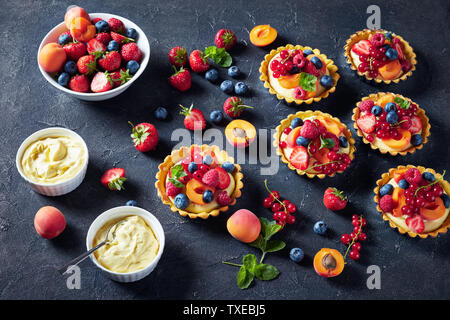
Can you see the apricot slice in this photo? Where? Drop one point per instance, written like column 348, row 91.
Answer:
column 433, row 210
column 399, row 200
column 328, row 263
column 385, row 99
column 390, row 70
column 263, row 35
column 401, row 143
column 240, row 133
column 244, row 226
column 82, row 29
column 52, row 57
column 73, row 13
column 290, row 81
column 195, row 190
column 49, row 222
column 399, row 175
column 292, row 137
column 333, row 126
column 321, row 155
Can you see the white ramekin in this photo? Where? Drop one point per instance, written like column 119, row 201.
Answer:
column 59, row 188
column 116, row 213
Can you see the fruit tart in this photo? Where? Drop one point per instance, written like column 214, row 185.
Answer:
column 314, row 143
column 199, row 181
column 380, row 55
column 415, row 200
column 391, row 123
column 298, row 74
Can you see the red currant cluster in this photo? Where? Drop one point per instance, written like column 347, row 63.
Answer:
column 282, row 210
column 351, row 240
column 339, row 162
column 418, row 195
column 289, row 60
column 370, row 63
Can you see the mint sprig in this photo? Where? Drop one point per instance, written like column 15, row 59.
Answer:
column 402, row 103
column 219, row 55
column 307, row 81
column 176, row 173
column 326, row 143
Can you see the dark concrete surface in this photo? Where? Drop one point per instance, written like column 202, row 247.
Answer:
column 191, row 267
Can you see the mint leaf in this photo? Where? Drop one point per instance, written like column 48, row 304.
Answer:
column 176, row 183
column 250, row 262
column 176, row 173
column 275, row 245
column 266, row 272
column 404, row 104
column 307, row 81
column 326, row 143
column 219, row 55
column 259, row 243
column 244, row 278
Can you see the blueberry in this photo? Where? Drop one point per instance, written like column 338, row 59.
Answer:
column 240, row 88
column 228, row 166
column 132, row 66
column 296, row 254
column 320, row 227
column 316, row 62
column 386, row 189
column 64, row 39
column 181, row 201
column 64, row 79
column 428, row 176
column 208, row 160
column 403, row 184
column 392, row 117
column 296, row 122
column 377, row 110
column 102, row 26
column 386, row 47
column 131, row 33
column 192, row 167
column 343, row 142
column 446, row 200
column 234, row 72
column 227, row 86
column 390, row 106
column 208, row 196
column 131, row 203
column 301, row 141
column 113, row 45
column 216, row 116
column 161, row 113
column 70, row 67
column 307, row 52
column 212, row 75
column 326, row 81
column 388, row 35
column 294, row 70
column 391, row 54
column 416, row 139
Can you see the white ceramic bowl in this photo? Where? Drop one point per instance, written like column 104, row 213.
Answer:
column 142, row 42
column 62, row 187
column 116, row 213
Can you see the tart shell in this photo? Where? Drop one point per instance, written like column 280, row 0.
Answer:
column 264, row 76
column 180, row 154
column 306, row 114
column 364, row 35
column 385, row 177
column 420, row 113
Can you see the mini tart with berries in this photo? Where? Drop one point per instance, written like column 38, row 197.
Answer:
column 314, row 144
column 414, row 200
column 380, row 55
column 199, row 181
column 391, row 123
column 298, row 74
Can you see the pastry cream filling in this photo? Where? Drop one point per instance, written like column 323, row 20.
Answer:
column 134, row 247
column 430, row 225
column 53, row 159
column 356, row 61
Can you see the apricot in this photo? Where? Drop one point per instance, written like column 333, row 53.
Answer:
column 82, row 29
column 73, row 13
column 399, row 175
column 385, row 99
column 434, row 210
column 49, row 222
column 263, row 35
column 195, row 190
column 328, row 263
column 292, row 137
column 240, row 133
column 244, row 226
column 400, row 143
column 289, row 81
column 52, row 57
column 390, row 70
column 399, row 199
column 333, row 126
column 321, row 155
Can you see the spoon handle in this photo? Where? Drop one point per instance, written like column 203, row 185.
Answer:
column 80, row 258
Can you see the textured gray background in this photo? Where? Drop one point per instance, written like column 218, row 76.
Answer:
column 191, row 266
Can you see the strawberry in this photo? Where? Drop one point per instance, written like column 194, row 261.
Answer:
column 181, row 79
column 101, row 82
column 178, row 56
column 198, row 62
column 113, row 179
column 416, row 124
column 399, row 49
column 224, row 178
column 362, row 47
column 87, row 64
column 110, row 61
column 225, row 38
column 94, row 46
column 234, row 107
column 120, row 77
column 334, row 199
column 211, row 178
column 193, row 118
column 103, row 37
column 311, row 69
column 223, row 199
column 95, row 20
column 130, row 51
column 120, row 38
column 309, row 130
column 116, row 25
column 367, row 123
column 75, row 51
column 171, row 189
column 145, row 136
column 299, row 158
column 415, row 223
column 79, row 83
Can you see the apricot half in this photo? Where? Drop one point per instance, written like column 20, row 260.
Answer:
column 400, row 143
column 263, row 35
column 49, row 222
column 244, row 226
column 289, row 81
column 82, row 29
column 390, row 70
column 73, row 13
column 195, row 190
column 385, row 99
column 434, row 210
column 333, row 126
column 52, row 57
column 240, row 133
column 399, row 199
column 328, row 263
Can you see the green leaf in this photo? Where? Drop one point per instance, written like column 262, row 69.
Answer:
column 176, row 183
column 219, row 55
column 250, row 262
column 326, row 143
column 274, row 245
column 266, row 272
column 244, row 278
column 402, row 103
column 307, row 81
column 268, row 228
column 176, row 173
column 259, row 243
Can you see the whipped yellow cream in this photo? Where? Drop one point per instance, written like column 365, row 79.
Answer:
column 134, row 247
column 53, row 159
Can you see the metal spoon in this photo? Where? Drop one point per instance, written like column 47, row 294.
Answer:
column 83, row 256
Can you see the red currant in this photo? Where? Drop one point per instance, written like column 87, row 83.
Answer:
column 356, row 246
column 286, row 202
column 291, row 208
column 275, row 194
column 356, row 222
column 355, row 217
column 356, row 229
column 345, row 239
column 362, row 236
column 287, row 130
column 267, row 203
column 354, row 255
column 290, row 219
column 353, row 235
column 276, row 207
column 283, row 144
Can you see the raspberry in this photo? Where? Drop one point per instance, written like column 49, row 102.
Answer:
column 223, row 198
column 299, row 60
column 387, row 203
column 172, row 190
column 413, row 176
column 309, row 130
column 299, row 93
column 211, row 178
column 366, row 105
column 378, row 40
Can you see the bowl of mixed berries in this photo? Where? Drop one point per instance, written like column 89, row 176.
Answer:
column 93, row 56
